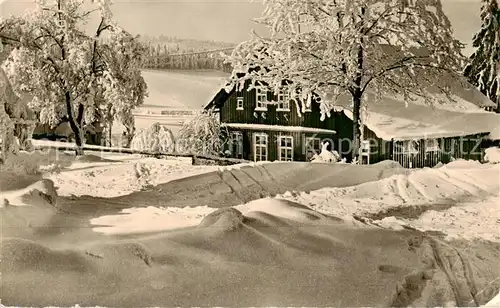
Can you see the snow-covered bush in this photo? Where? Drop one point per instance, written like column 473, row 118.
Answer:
column 202, row 135
column 156, row 138
column 7, row 104
column 492, row 155
column 326, row 156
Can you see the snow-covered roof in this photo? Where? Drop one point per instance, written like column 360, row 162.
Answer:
column 281, row 128
column 391, row 118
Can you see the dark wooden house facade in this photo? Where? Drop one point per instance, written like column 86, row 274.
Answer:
column 262, row 126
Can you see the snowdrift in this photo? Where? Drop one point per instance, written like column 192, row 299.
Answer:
column 492, row 155
column 272, row 253
column 458, row 181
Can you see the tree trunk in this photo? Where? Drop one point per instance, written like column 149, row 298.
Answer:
column 356, row 129
column 357, row 93
column 129, row 136
column 107, row 133
column 110, row 133
column 74, row 126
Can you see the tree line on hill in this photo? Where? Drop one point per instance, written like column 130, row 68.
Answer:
column 178, row 54
column 158, row 58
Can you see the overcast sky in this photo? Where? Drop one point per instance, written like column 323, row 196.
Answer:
column 228, row 20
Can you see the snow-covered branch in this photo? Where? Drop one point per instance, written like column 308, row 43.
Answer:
column 350, row 47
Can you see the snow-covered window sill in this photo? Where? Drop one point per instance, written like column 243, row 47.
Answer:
column 283, row 110
column 260, row 109
column 239, row 109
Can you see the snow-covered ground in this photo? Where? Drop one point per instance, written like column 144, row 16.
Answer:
column 110, row 175
column 123, row 177
column 460, row 199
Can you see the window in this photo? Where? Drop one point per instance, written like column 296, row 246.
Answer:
column 285, row 148
column 237, row 144
column 260, row 147
column 432, row 145
column 309, row 103
column 239, row 103
column 261, row 97
column 313, row 146
column 365, row 152
column 410, row 147
column 283, row 101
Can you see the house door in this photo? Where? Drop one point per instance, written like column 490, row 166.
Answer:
column 260, row 151
column 237, row 144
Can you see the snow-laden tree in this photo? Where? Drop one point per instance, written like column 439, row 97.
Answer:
column 483, row 69
column 156, row 138
column 7, row 99
column 202, row 135
column 125, row 88
column 16, row 120
column 65, row 69
column 337, row 48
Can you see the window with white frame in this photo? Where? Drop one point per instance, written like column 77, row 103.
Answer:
column 285, row 148
column 313, row 146
column 237, row 144
column 260, row 147
column 261, row 99
column 239, row 103
column 365, row 150
column 283, row 101
column 365, row 147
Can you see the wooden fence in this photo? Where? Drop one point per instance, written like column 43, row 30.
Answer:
column 195, row 159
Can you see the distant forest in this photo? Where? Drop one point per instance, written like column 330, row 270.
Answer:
column 174, row 53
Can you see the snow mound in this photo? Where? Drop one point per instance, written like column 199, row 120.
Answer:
column 156, row 138
column 388, row 164
column 492, row 155
column 28, row 255
column 150, row 219
column 226, row 219
column 463, row 164
column 280, row 208
column 456, row 181
column 325, row 156
column 41, row 191
column 465, row 195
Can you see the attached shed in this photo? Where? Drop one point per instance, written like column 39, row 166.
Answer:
column 417, row 135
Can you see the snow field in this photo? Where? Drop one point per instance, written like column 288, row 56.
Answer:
column 468, row 189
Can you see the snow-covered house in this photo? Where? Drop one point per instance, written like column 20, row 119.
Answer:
column 412, row 133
